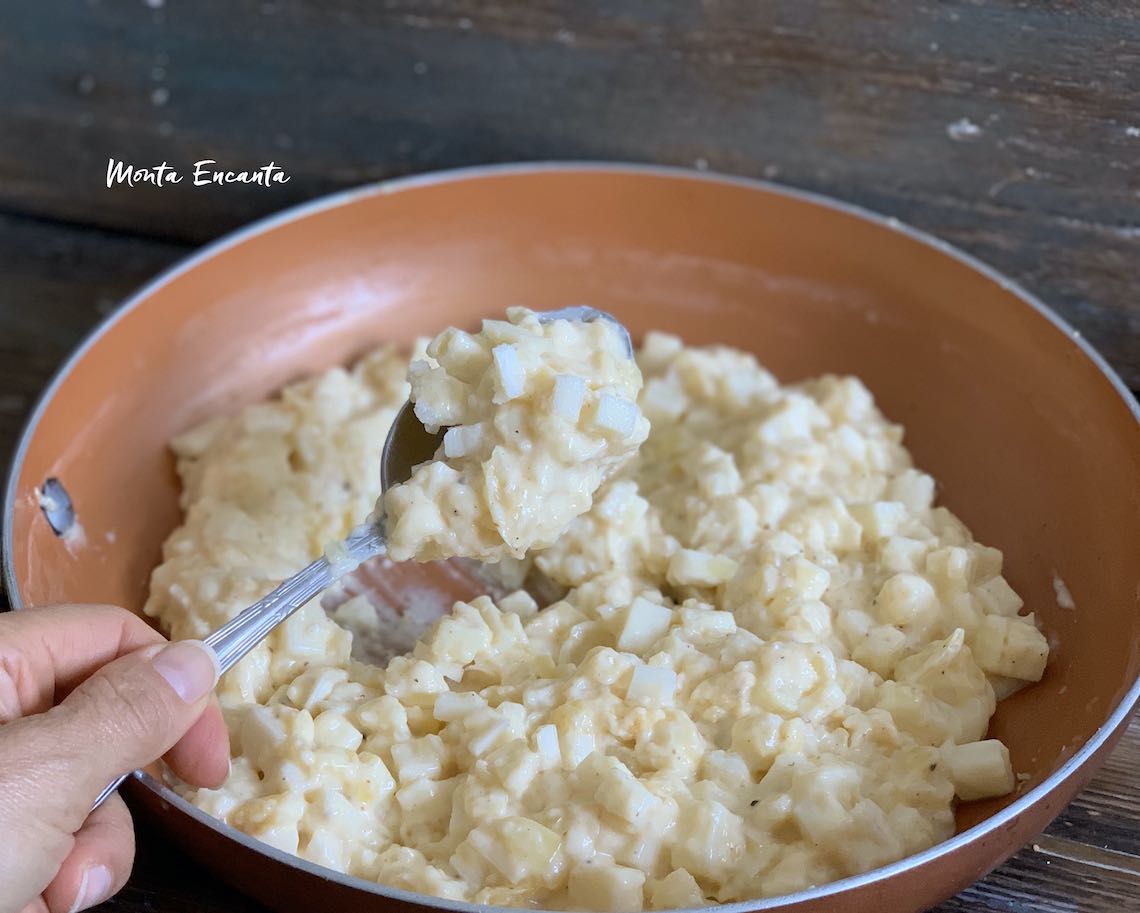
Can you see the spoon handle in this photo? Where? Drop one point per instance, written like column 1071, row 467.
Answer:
column 244, row 631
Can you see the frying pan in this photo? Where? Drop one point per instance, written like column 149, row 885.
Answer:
column 1034, row 441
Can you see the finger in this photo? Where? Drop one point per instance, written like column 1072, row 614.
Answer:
column 129, row 713
column 50, row 650
column 202, row 756
column 99, row 862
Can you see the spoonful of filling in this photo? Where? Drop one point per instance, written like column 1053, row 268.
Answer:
column 522, row 422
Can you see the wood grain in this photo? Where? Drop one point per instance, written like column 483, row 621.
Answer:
column 56, row 282
column 1107, row 813
column 1010, row 129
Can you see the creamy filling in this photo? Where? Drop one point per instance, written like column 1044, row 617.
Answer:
column 774, row 666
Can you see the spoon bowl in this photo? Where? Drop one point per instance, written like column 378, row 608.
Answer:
column 408, row 444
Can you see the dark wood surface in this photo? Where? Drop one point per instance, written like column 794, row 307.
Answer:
column 1009, row 129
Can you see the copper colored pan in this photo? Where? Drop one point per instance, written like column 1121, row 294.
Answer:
column 1034, row 440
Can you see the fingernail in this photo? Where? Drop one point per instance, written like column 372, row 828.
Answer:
column 94, row 887
column 189, row 667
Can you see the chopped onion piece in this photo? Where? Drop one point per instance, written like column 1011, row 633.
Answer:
column 579, row 746
column 462, row 440
column 616, row 414
column 484, row 741
column 510, row 370
column 546, row 741
column 652, row 684
column 455, row 705
column 569, row 394
column 645, row 623
column 689, row 567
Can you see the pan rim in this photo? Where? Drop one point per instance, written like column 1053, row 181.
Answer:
column 1070, row 768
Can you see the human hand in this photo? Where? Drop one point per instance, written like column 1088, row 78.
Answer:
column 88, row 693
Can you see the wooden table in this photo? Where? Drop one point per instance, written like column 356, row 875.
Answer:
column 1009, row 129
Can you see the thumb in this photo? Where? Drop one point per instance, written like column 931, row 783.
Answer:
column 126, row 715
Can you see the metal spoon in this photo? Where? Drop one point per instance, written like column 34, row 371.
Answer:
column 408, row 444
